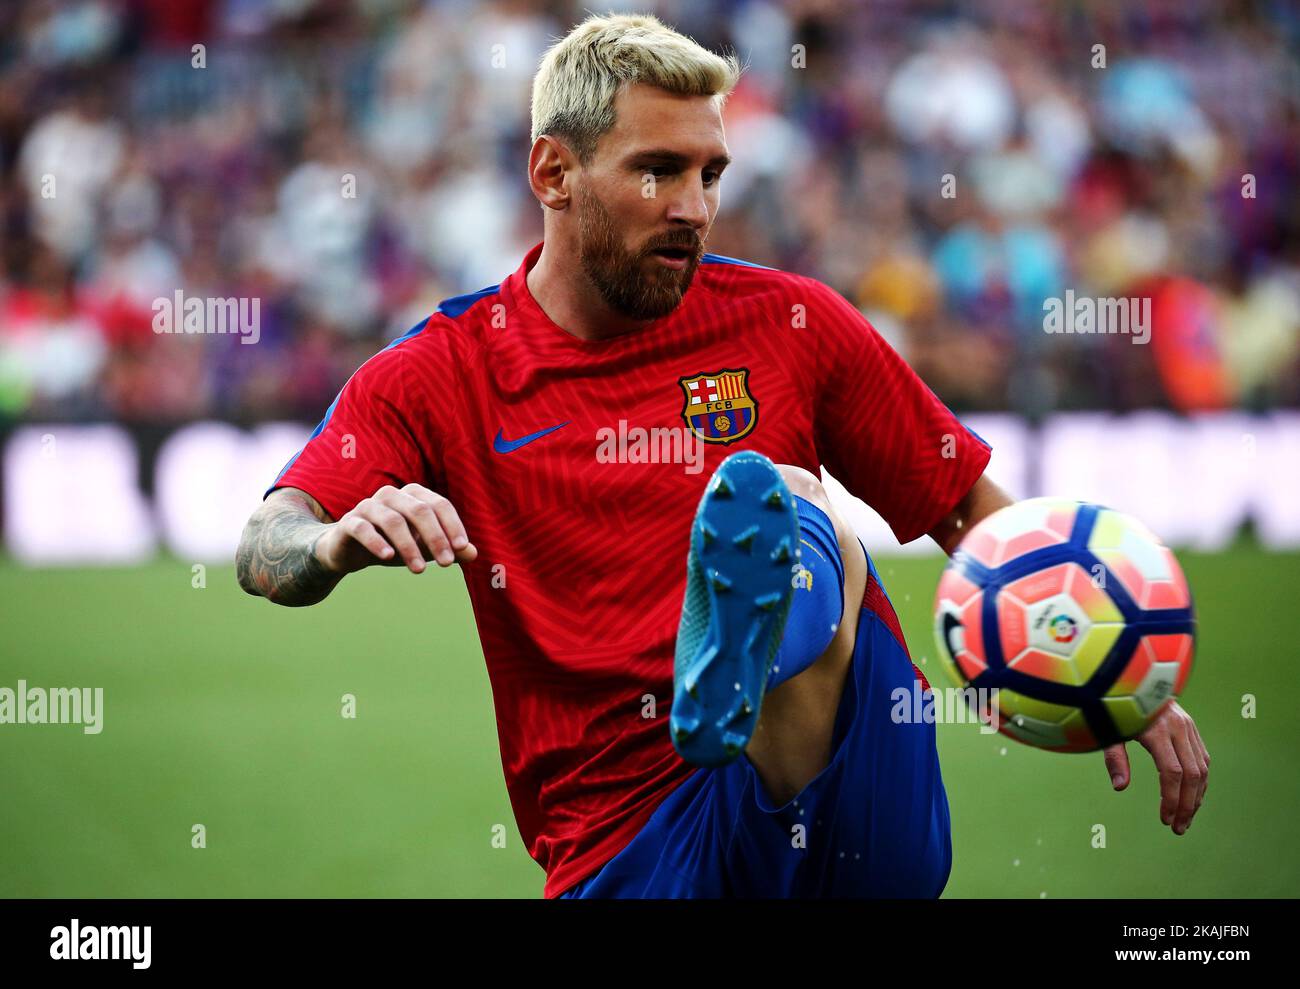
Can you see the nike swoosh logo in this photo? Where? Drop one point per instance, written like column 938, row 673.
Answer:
column 503, row 445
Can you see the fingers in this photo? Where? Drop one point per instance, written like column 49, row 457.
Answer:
column 1189, row 798
column 1170, row 771
column 1183, row 765
column 410, row 526
column 1205, row 756
column 424, row 522
column 452, row 542
column 395, row 529
column 1117, row 766
column 1201, row 760
column 361, row 531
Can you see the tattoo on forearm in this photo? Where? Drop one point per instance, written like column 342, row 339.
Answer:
column 276, row 557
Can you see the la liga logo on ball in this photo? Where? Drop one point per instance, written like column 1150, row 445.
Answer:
column 1079, row 617
column 1063, row 629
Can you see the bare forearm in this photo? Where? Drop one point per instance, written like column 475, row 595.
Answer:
column 983, row 499
column 276, row 557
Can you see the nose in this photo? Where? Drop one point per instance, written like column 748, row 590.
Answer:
column 689, row 205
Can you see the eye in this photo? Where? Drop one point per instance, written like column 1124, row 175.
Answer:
column 712, row 177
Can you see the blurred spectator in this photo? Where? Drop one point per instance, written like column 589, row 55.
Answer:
column 348, row 163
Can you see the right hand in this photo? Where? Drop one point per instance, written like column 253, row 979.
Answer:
column 394, row 528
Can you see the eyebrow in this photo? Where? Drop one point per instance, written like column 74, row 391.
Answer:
column 676, row 157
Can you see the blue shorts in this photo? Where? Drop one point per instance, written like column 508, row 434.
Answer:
column 873, row 823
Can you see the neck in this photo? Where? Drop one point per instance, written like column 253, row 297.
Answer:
column 573, row 303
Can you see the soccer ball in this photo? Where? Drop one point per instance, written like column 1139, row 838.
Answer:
column 1078, row 616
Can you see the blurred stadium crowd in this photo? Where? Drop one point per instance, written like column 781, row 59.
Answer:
column 1169, row 173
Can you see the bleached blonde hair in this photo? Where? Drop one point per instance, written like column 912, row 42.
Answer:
column 583, row 72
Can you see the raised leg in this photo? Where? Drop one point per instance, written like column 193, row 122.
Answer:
column 792, row 741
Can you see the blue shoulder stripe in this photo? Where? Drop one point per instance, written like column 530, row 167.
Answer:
column 414, row 331
column 457, row 305
column 723, row 259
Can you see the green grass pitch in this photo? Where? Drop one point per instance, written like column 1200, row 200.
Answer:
column 224, row 711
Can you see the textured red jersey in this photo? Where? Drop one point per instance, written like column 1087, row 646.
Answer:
column 576, row 467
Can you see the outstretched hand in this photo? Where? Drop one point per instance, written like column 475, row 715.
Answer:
column 1182, row 762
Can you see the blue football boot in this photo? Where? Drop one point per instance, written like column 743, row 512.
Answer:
column 744, row 541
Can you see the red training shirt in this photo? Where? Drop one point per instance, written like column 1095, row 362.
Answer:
column 582, row 536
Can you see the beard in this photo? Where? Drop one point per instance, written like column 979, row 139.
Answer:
column 633, row 283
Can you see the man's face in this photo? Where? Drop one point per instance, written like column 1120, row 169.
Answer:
column 647, row 197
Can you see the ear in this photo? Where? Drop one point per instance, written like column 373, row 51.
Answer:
column 549, row 165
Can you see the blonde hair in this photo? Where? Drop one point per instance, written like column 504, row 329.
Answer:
column 583, row 72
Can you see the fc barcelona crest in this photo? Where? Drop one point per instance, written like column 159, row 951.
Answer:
column 719, row 407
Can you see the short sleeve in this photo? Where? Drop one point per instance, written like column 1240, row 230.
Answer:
column 879, row 430
column 366, row 440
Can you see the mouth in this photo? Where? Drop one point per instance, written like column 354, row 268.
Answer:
column 676, row 258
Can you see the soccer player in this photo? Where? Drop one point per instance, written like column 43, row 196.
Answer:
column 620, row 446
